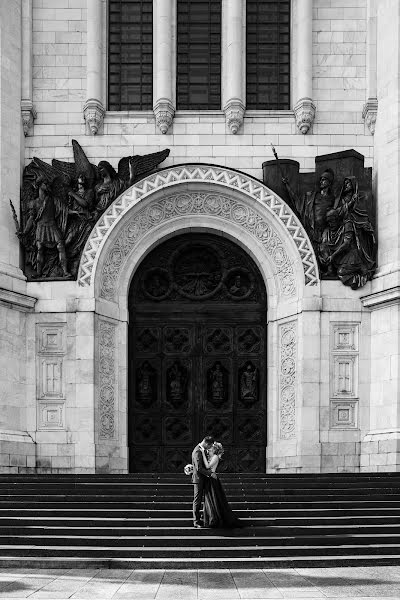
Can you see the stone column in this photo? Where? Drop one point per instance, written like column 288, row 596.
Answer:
column 304, row 108
column 27, row 109
column 164, row 53
column 93, row 110
column 381, row 448
column 371, row 105
column 234, row 62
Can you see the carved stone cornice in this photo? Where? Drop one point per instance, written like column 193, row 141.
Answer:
column 164, row 112
column 28, row 114
column 304, row 112
column 234, row 114
column 369, row 113
column 382, row 299
column 93, row 112
column 17, row 301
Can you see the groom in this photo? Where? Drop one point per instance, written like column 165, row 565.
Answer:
column 199, row 478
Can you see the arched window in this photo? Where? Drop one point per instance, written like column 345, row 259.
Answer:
column 198, row 74
column 268, row 54
column 130, row 55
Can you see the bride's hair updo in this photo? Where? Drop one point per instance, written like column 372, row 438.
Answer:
column 218, row 448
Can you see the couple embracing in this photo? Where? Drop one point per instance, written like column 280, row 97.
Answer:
column 216, row 510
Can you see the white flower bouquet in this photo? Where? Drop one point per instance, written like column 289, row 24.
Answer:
column 188, row 470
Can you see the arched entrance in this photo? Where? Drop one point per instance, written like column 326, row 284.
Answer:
column 197, row 355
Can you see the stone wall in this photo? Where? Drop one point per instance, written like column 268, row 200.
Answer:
column 339, row 91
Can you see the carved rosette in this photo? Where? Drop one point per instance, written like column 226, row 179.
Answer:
column 93, row 112
column 164, row 113
column 234, row 114
column 106, row 380
column 28, row 114
column 304, row 112
column 369, row 114
column 287, row 380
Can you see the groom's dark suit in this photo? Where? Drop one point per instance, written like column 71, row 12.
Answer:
column 199, row 479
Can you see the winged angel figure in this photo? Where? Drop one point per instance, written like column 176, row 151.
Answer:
column 61, row 202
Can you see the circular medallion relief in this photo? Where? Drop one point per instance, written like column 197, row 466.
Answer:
column 197, row 271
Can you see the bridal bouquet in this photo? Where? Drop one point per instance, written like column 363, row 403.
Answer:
column 188, row 470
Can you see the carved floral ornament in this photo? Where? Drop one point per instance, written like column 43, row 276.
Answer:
column 252, row 218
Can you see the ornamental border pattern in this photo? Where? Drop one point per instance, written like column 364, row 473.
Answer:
column 287, row 380
column 187, row 204
column 207, row 174
column 107, row 380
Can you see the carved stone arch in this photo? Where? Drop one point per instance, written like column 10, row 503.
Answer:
column 200, row 196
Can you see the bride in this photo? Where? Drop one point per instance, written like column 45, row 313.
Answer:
column 217, row 512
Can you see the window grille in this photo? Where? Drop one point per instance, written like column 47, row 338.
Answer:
column 130, row 55
column 268, row 54
column 198, row 77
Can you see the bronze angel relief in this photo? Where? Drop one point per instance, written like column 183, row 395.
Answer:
column 61, row 202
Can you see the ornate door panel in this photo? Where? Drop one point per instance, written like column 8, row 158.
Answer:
column 197, row 356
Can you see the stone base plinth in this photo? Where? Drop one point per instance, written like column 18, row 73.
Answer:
column 17, row 452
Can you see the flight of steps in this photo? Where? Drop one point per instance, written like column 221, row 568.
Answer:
column 145, row 521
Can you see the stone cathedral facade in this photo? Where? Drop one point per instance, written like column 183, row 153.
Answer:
column 148, row 301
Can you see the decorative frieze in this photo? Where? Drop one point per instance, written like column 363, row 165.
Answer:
column 51, row 350
column 268, row 207
column 344, row 375
column 177, row 205
column 287, row 379
column 106, row 387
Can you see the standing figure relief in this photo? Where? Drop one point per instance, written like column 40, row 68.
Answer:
column 61, row 202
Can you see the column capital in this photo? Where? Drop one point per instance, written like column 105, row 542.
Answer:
column 93, row 112
column 234, row 114
column 28, row 114
column 164, row 112
column 304, row 112
column 369, row 113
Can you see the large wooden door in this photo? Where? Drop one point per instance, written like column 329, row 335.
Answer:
column 197, row 359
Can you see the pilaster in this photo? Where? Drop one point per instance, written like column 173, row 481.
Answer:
column 304, row 108
column 234, row 62
column 11, row 139
column 370, row 109
column 164, row 62
column 28, row 111
column 93, row 110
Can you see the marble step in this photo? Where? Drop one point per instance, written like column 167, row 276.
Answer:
column 245, row 539
column 12, row 562
column 147, row 512
column 170, row 503
column 187, row 492
column 182, row 484
column 237, row 551
column 182, row 531
column 158, row 522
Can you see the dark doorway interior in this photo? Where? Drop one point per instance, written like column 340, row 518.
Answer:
column 197, row 355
